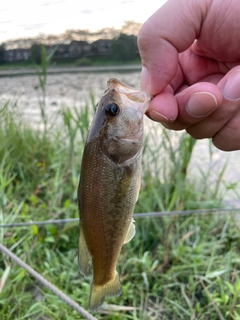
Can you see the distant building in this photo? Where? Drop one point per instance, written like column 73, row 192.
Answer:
column 79, row 48
column 62, row 51
column 50, row 49
column 19, row 54
column 101, row 47
column 73, row 50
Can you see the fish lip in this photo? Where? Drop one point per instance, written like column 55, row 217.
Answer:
column 140, row 99
column 129, row 140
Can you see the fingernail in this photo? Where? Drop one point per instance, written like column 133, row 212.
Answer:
column 201, row 103
column 144, row 79
column 156, row 116
column 231, row 88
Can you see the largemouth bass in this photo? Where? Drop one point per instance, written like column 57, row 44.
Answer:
column 109, row 185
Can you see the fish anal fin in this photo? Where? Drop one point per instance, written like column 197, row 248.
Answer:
column 99, row 293
column 130, row 233
column 84, row 257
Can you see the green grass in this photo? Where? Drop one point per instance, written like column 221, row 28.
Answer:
column 174, row 268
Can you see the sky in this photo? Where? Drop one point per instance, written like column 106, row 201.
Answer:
column 29, row 18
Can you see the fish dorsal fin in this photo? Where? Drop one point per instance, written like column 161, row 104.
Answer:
column 131, row 232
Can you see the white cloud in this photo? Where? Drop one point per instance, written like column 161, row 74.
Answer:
column 27, row 18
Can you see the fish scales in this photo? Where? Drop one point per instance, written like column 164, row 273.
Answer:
column 115, row 205
column 109, row 185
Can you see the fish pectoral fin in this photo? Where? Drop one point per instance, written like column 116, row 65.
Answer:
column 139, row 186
column 99, row 293
column 131, row 232
column 84, row 257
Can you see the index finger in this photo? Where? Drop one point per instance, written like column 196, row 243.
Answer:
column 170, row 30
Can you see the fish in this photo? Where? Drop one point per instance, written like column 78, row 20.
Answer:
column 109, row 184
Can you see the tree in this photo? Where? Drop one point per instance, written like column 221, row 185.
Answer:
column 124, row 48
column 130, row 27
column 36, row 52
column 2, row 53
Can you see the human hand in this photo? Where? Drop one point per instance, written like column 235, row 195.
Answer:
column 195, row 84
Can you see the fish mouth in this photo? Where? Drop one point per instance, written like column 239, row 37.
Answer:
column 138, row 100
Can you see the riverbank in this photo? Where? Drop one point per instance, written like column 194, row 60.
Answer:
column 66, row 88
column 21, row 71
column 176, row 267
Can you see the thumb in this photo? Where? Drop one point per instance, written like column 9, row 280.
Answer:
column 170, row 30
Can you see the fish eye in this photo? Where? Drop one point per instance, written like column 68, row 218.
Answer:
column 112, row 109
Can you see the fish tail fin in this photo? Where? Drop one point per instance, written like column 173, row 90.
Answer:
column 84, row 257
column 99, row 293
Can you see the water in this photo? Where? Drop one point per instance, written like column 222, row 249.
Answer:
column 74, row 89
column 62, row 89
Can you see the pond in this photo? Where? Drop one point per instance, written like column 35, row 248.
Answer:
column 71, row 87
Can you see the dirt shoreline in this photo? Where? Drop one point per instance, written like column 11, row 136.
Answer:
column 12, row 72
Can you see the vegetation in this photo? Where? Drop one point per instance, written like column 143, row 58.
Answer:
column 122, row 49
column 83, row 62
column 36, row 49
column 2, row 51
column 175, row 267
